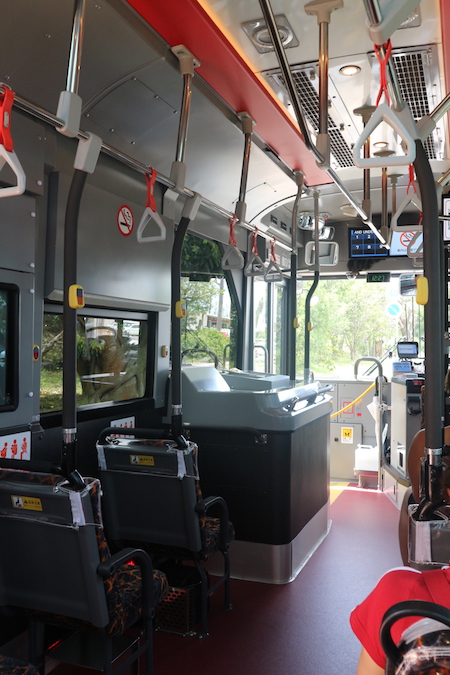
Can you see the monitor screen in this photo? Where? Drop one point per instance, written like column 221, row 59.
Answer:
column 363, row 243
column 407, row 350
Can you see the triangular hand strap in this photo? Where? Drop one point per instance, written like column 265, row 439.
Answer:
column 403, row 123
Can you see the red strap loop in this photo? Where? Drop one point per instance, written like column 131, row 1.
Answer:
column 387, row 46
column 411, row 179
column 254, row 244
column 151, row 179
column 272, row 250
column 232, row 239
column 6, row 102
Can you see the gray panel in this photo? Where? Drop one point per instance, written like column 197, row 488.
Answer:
column 147, row 110
column 18, row 228
column 115, row 267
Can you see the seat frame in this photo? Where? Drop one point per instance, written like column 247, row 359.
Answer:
column 159, row 508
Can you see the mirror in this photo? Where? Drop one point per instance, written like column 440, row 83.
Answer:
column 408, row 283
column 328, row 253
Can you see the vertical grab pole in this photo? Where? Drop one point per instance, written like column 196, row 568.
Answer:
column 69, row 408
column 308, row 324
column 73, row 70
column 293, row 321
column 187, row 65
column 434, row 332
column 384, row 192
column 366, row 112
column 247, row 127
column 322, row 9
column 70, row 107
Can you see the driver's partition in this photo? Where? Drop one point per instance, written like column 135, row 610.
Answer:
column 152, row 498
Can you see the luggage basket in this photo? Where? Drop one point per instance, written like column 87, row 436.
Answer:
column 429, row 540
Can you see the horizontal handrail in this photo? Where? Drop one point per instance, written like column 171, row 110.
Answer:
column 47, row 117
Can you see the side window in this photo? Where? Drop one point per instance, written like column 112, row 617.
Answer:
column 111, row 360
column 209, row 329
column 9, row 358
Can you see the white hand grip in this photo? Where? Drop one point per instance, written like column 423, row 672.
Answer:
column 275, row 275
column 227, row 260
column 418, row 253
column 385, row 114
column 255, row 266
column 409, row 199
column 147, row 217
column 13, row 161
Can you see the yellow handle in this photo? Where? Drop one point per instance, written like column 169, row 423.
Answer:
column 422, row 290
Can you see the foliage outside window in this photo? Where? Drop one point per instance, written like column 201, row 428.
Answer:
column 111, row 360
column 350, row 319
column 208, row 331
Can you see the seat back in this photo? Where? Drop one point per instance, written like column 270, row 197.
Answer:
column 150, row 491
column 50, row 550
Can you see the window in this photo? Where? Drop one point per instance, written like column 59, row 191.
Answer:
column 208, row 331
column 9, row 359
column 111, row 360
column 260, row 325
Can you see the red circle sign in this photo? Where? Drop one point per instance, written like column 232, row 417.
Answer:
column 125, row 220
column 406, row 237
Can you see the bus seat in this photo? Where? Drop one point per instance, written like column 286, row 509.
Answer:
column 10, row 666
column 152, row 497
column 55, row 565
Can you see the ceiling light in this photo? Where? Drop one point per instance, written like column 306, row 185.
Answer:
column 349, row 70
column 259, row 34
column 381, row 144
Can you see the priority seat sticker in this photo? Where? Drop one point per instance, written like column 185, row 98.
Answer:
column 142, row 460
column 26, row 503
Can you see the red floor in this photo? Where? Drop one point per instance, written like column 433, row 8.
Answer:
column 302, row 627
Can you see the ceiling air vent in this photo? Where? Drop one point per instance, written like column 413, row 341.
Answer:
column 418, row 78
column 304, row 76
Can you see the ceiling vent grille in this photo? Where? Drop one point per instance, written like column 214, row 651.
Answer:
column 416, row 84
column 418, row 78
column 309, row 100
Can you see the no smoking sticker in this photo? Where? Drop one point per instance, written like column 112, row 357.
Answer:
column 125, row 220
column 406, row 237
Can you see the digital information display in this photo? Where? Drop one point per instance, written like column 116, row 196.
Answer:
column 363, row 243
column 407, row 349
column 378, row 277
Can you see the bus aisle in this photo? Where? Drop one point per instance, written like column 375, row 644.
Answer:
column 301, row 627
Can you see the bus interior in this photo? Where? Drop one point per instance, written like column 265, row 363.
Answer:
column 225, row 226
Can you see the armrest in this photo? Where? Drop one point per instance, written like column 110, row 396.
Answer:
column 202, row 508
column 142, row 559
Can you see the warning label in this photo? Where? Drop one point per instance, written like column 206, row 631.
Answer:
column 28, row 503
column 347, row 435
column 143, row 460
